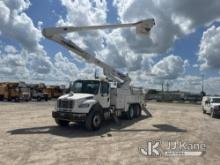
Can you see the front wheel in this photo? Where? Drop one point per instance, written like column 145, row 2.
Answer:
column 203, row 110
column 62, row 123
column 94, row 120
column 38, row 98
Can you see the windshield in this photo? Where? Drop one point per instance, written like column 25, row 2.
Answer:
column 216, row 100
column 90, row 86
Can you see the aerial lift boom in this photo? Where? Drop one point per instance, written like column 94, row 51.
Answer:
column 55, row 33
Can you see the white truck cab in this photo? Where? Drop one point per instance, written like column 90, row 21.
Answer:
column 211, row 105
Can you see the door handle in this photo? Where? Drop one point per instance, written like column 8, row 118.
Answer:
column 108, row 99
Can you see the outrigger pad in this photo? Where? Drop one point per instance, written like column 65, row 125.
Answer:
column 147, row 112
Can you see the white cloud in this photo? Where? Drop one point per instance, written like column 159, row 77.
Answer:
column 13, row 63
column 212, row 85
column 194, row 84
column 21, row 65
column 188, row 83
column 209, row 49
column 96, row 13
column 64, row 69
column 17, row 25
column 109, row 46
column 195, row 65
column 173, row 20
column 119, row 48
column 123, row 48
column 10, row 49
column 30, row 59
column 169, row 67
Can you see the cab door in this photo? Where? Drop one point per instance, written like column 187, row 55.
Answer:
column 104, row 98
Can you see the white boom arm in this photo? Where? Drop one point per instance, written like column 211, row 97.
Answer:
column 55, row 34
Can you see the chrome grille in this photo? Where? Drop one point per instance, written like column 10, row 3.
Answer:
column 65, row 105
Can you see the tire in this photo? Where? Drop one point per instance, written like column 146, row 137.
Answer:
column 94, row 119
column 17, row 99
column 38, row 99
column 130, row 113
column 212, row 113
column 62, row 123
column 137, row 110
column 203, row 111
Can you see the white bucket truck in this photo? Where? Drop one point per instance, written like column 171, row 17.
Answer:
column 93, row 101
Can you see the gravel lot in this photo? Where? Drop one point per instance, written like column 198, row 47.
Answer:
column 28, row 135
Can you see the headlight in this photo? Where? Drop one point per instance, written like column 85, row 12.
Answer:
column 86, row 105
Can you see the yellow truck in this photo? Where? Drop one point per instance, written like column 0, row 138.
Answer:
column 54, row 91
column 15, row 91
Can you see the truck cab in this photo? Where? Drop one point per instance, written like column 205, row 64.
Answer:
column 83, row 95
column 211, row 105
column 85, row 103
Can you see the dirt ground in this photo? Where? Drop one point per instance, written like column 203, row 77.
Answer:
column 28, row 135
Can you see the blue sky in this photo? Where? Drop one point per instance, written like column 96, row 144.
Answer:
column 183, row 45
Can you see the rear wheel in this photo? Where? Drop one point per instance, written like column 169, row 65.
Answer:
column 137, row 110
column 17, row 99
column 130, row 112
column 38, row 98
column 62, row 123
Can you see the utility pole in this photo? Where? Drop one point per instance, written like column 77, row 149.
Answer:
column 202, row 92
column 168, row 85
column 162, row 90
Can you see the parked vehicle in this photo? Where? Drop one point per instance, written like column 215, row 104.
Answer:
column 54, row 91
column 92, row 101
column 17, row 91
column 38, row 92
column 211, row 105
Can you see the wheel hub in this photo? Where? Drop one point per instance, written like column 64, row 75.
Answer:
column 96, row 120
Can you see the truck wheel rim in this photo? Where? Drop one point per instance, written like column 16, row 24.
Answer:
column 96, row 120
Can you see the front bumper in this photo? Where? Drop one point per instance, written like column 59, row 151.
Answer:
column 69, row 116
